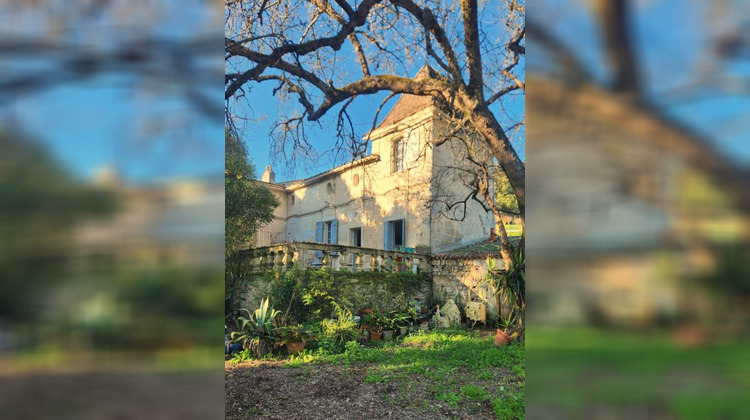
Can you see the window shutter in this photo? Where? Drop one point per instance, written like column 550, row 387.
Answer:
column 319, row 232
column 334, row 231
column 318, row 238
column 386, row 235
column 403, row 232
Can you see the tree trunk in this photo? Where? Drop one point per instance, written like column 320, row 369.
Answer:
column 490, row 129
column 506, row 249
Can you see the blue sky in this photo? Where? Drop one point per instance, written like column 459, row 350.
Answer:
column 142, row 124
column 672, row 43
column 266, row 108
column 102, row 121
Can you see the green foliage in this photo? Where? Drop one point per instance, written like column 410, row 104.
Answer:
column 41, row 205
column 505, row 198
column 474, row 393
column 511, row 284
column 394, row 319
column 257, row 332
column 449, row 397
column 248, row 205
column 286, row 293
column 341, row 330
column 312, row 295
column 241, row 356
column 731, row 276
column 295, row 333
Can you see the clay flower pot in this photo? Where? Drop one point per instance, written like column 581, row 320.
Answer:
column 375, row 335
column 501, row 338
column 295, row 347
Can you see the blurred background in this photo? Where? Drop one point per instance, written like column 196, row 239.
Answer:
column 638, row 200
column 111, row 209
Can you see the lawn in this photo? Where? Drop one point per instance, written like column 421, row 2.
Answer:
column 586, row 373
column 435, row 374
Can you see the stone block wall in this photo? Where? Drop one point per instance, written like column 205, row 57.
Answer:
column 463, row 280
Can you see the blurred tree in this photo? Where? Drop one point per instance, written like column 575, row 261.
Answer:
column 41, row 206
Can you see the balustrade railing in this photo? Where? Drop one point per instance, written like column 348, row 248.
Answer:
column 316, row 255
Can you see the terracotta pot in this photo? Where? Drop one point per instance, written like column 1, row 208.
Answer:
column 295, row 347
column 501, row 338
column 375, row 336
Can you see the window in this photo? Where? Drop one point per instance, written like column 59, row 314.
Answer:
column 405, row 151
column 395, row 234
column 327, row 232
column 356, row 180
column 355, row 237
column 327, row 235
column 398, row 156
column 291, row 200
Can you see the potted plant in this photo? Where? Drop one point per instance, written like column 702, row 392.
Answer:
column 407, row 318
column 257, row 332
column 368, row 319
column 376, row 326
column 295, row 337
column 376, row 332
column 388, row 323
column 508, row 332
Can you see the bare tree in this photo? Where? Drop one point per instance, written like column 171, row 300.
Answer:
column 48, row 44
column 326, row 53
column 469, row 178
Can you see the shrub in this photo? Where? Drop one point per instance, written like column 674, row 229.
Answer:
column 341, row 330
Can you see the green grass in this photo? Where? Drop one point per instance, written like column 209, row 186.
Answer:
column 575, row 369
column 513, row 230
column 447, row 359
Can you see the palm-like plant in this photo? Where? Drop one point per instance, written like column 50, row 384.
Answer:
column 257, row 331
column 512, row 281
column 340, row 330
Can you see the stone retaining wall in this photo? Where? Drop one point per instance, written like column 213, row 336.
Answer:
column 463, row 280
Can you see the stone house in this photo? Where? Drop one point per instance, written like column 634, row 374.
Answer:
column 387, row 199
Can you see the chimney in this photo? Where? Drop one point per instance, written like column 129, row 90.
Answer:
column 268, row 175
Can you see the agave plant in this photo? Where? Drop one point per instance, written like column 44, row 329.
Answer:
column 257, row 331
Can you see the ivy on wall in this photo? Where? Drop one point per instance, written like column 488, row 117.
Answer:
column 315, row 294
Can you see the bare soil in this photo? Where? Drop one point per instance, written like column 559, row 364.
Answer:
column 267, row 390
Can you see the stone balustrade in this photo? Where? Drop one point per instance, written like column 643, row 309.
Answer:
column 316, row 255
